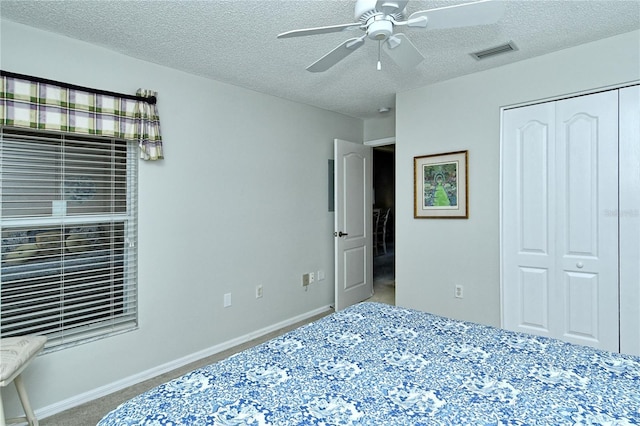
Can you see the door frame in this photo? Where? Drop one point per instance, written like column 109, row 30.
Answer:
column 378, row 143
column 385, row 142
column 381, row 142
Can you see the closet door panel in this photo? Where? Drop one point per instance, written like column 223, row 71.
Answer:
column 587, row 237
column 582, row 312
column 579, row 199
column 528, row 256
column 534, row 296
column 532, row 145
column 629, row 217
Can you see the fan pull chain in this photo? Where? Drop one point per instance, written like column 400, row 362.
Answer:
column 379, row 64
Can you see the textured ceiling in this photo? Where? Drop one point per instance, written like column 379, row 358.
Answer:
column 234, row 41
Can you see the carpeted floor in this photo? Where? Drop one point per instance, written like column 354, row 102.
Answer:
column 90, row 413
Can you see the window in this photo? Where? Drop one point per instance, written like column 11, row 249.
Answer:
column 69, row 225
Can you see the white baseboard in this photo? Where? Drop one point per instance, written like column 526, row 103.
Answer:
column 105, row 390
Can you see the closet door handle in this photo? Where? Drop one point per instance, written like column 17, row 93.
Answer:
column 580, row 265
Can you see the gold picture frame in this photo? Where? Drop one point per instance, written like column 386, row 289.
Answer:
column 440, row 184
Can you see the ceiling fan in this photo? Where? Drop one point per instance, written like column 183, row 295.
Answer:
column 379, row 18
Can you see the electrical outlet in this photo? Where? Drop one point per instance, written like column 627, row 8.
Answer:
column 258, row 291
column 312, row 277
column 305, row 280
column 227, row 300
column 459, row 292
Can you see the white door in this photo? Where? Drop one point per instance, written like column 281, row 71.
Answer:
column 560, row 240
column 528, row 220
column 353, row 186
column 587, row 231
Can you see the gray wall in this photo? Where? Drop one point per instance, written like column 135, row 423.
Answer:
column 432, row 256
column 240, row 200
column 380, row 127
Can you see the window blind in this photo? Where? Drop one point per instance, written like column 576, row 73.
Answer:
column 69, row 226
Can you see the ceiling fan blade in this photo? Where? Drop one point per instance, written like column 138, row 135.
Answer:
column 319, row 30
column 461, row 15
column 402, row 51
column 337, row 54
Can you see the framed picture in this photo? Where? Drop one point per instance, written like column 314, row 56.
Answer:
column 440, row 186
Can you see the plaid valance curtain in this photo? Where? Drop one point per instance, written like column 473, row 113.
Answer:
column 47, row 106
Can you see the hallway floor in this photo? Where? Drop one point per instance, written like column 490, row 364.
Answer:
column 384, row 284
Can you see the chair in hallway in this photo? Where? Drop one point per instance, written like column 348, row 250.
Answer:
column 16, row 353
column 376, row 219
column 380, row 233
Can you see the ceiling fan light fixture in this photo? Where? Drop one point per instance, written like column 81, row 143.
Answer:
column 380, row 30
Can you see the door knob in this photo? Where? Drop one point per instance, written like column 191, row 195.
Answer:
column 342, row 234
column 580, row 265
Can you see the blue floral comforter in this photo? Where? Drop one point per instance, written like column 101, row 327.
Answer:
column 375, row 364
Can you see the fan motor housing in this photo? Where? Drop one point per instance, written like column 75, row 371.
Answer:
column 365, row 9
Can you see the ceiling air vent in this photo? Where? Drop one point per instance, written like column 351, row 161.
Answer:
column 497, row 50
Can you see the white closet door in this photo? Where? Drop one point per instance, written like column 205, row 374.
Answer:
column 559, row 243
column 528, row 219
column 629, row 213
column 587, row 226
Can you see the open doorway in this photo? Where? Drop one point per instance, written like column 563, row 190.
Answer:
column 384, row 195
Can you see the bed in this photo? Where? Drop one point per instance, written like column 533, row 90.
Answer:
column 376, row 364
